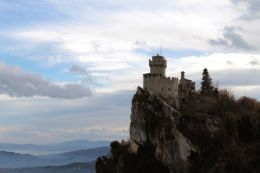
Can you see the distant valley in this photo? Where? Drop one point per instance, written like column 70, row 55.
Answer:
column 45, row 149
column 70, row 168
column 15, row 160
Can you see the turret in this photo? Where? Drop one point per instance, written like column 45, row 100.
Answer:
column 158, row 65
column 182, row 75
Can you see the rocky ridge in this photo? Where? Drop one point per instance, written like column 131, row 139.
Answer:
column 202, row 136
column 155, row 122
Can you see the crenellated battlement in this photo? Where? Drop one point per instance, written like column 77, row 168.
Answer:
column 169, row 88
column 152, row 76
column 158, row 65
column 157, row 62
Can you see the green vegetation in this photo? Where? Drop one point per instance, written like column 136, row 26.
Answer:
column 234, row 147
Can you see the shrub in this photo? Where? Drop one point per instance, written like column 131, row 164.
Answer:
column 247, row 132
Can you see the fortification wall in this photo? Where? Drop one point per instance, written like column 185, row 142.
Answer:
column 167, row 88
column 186, row 89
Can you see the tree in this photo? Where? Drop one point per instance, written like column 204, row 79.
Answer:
column 206, row 83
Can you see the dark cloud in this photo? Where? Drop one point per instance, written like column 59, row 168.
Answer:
column 17, row 83
column 77, row 69
column 218, row 42
column 231, row 39
column 252, row 9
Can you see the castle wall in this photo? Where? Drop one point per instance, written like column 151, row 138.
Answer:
column 186, row 89
column 166, row 88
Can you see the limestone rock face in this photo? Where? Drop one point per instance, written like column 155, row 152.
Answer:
column 155, row 122
column 214, row 134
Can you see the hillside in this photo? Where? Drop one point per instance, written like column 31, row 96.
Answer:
column 44, row 149
column 70, row 168
column 15, row 160
column 209, row 134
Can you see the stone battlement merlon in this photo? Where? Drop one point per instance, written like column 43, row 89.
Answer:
column 171, row 89
column 149, row 75
column 175, row 79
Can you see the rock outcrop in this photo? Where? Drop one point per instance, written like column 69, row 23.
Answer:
column 215, row 134
column 155, row 122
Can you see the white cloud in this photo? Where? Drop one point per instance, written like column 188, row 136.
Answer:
column 103, row 37
column 42, row 120
column 236, row 72
column 215, row 62
column 107, row 46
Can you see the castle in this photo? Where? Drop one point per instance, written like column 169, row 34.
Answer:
column 172, row 90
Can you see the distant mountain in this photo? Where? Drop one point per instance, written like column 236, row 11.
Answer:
column 10, row 159
column 70, row 168
column 15, row 160
column 52, row 148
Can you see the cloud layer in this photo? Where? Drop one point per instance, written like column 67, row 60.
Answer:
column 44, row 120
column 232, row 40
column 252, row 9
column 17, row 83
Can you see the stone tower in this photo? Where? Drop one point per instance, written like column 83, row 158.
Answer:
column 186, row 88
column 171, row 89
column 157, row 82
column 158, row 65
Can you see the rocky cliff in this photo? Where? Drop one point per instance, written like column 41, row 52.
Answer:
column 203, row 136
column 155, row 122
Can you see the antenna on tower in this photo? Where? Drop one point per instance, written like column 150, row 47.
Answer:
column 245, row 88
column 161, row 49
column 153, row 51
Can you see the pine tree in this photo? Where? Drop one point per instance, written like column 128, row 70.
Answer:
column 206, row 83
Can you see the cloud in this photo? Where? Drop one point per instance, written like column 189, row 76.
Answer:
column 83, row 72
column 100, row 117
column 52, row 136
column 231, row 40
column 254, row 62
column 252, row 9
column 17, row 83
column 115, row 39
column 234, row 71
column 78, row 69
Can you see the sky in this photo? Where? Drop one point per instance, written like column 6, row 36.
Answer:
column 68, row 69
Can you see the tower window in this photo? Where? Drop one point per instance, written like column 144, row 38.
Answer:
column 169, row 89
column 162, row 89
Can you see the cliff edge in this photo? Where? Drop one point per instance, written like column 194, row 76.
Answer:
column 209, row 135
column 154, row 122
